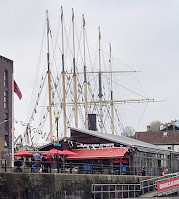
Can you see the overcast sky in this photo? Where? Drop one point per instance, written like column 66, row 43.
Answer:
column 144, row 36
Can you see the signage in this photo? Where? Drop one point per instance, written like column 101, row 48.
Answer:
column 96, row 145
column 167, row 184
column 57, row 144
column 123, row 169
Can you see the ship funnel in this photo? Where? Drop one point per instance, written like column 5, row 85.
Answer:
column 92, row 122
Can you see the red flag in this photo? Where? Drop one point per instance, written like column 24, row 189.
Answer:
column 17, row 90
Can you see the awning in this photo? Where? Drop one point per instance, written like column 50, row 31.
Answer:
column 98, row 153
column 23, row 154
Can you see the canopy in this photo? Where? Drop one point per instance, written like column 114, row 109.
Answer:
column 67, row 152
column 58, row 152
column 52, row 151
column 98, row 153
column 23, row 154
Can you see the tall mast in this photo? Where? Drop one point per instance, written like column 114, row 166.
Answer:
column 112, row 104
column 63, row 76
column 49, row 79
column 85, row 79
column 100, row 87
column 74, row 74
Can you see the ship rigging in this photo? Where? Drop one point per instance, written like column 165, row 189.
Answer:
column 77, row 91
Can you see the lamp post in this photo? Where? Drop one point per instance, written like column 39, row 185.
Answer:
column 57, row 116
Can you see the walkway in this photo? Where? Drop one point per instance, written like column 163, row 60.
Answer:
column 151, row 187
column 148, row 195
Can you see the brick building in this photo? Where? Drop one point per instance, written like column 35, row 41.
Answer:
column 168, row 139
column 6, row 71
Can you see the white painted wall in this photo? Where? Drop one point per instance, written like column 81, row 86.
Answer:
column 173, row 147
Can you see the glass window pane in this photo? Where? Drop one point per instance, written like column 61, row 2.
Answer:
column 6, row 78
column 5, row 99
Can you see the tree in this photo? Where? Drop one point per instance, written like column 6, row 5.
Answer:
column 155, row 125
column 128, row 131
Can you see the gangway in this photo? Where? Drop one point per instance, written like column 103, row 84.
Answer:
column 148, row 188
column 160, row 186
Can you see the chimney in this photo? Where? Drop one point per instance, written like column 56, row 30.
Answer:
column 148, row 127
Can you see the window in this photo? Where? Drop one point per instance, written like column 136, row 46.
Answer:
column 6, row 140
column 6, row 78
column 165, row 134
column 6, row 121
column 5, row 99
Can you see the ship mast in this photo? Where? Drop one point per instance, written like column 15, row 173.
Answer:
column 63, row 75
column 111, row 104
column 85, row 79
column 74, row 75
column 100, row 87
column 49, row 79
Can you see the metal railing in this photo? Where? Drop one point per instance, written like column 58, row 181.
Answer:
column 171, row 190
column 71, row 167
column 150, row 185
column 106, row 191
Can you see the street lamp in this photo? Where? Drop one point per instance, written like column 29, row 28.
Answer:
column 57, row 116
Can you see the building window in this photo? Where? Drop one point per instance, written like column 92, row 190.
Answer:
column 5, row 99
column 6, row 78
column 165, row 134
column 6, row 140
column 6, row 122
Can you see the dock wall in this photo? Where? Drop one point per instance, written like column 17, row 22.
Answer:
column 38, row 186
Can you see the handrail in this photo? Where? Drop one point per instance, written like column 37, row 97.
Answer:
column 82, row 168
column 126, row 190
column 166, row 176
column 150, row 185
column 117, row 190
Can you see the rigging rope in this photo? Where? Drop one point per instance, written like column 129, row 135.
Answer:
column 37, row 72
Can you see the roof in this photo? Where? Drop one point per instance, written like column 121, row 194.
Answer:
column 5, row 59
column 47, row 147
column 55, row 144
column 169, row 127
column 161, row 137
column 91, row 137
column 114, row 152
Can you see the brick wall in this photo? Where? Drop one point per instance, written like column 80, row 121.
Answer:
column 1, row 146
column 5, row 64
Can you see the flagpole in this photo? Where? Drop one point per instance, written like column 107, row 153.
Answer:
column 12, row 121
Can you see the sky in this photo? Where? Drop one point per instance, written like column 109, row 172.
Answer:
column 143, row 34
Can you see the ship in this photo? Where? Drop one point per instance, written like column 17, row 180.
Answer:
column 74, row 87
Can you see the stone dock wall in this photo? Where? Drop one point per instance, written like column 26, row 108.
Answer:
column 46, row 185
